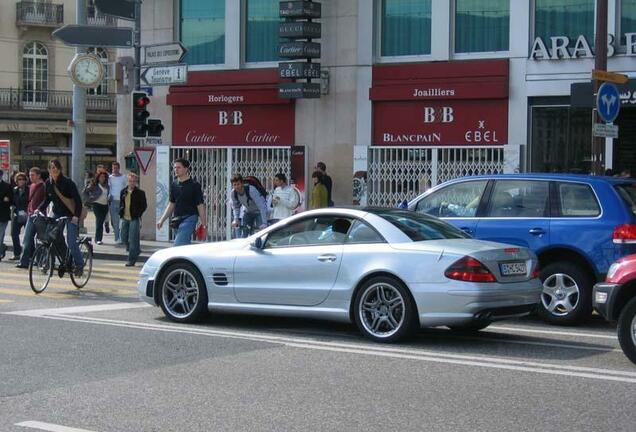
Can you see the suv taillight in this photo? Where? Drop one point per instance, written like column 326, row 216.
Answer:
column 536, row 272
column 469, row 269
column 624, row 234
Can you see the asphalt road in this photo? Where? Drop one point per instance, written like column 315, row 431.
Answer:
column 98, row 360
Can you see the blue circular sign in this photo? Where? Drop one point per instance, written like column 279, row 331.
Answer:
column 608, row 102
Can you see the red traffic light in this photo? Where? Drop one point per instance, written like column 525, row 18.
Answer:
column 142, row 101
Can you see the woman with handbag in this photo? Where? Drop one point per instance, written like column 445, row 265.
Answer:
column 19, row 216
column 96, row 195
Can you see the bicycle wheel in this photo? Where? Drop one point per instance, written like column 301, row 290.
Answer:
column 86, row 249
column 41, row 268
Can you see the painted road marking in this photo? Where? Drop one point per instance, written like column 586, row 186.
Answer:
column 551, row 332
column 80, row 309
column 50, row 427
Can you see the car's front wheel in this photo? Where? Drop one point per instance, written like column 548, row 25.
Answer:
column 627, row 330
column 183, row 295
column 384, row 310
column 567, row 293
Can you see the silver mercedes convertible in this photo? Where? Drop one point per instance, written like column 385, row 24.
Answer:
column 390, row 271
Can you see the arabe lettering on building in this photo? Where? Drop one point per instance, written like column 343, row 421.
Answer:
column 558, row 47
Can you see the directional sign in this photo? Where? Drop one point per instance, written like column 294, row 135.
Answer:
column 164, row 75
column 299, row 90
column 91, row 36
column 298, row 69
column 614, row 77
column 164, row 53
column 119, row 8
column 144, row 156
column 608, row 102
column 299, row 29
column 299, row 9
column 303, row 50
column 605, row 130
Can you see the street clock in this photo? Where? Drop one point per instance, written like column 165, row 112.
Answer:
column 86, row 70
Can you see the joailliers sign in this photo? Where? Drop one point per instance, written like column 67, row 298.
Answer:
column 455, row 103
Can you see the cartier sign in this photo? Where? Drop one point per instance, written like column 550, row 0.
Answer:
column 298, row 50
column 558, row 47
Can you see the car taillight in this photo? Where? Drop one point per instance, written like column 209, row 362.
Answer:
column 469, row 269
column 535, row 272
column 624, row 234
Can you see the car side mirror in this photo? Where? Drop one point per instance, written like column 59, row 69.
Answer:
column 257, row 243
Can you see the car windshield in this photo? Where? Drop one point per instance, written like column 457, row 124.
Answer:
column 420, row 227
column 627, row 191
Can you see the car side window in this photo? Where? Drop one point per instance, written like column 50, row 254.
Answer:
column 456, row 200
column 519, row 198
column 311, row 232
column 577, row 200
column 361, row 232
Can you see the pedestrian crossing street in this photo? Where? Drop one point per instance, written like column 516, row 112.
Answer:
column 110, row 279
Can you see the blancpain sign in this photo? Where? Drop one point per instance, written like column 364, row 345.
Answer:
column 557, row 48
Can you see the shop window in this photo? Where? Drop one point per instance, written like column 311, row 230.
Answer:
column 35, row 71
column 102, row 89
column 405, row 27
column 261, row 31
column 570, row 18
column 628, row 18
column 561, row 139
column 203, row 31
column 481, row 25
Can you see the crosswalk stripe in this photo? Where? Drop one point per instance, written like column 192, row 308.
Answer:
column 5, row 301
column 70, row 292
column 93, row 282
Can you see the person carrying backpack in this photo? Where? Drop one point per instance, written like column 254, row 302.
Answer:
column 250, row 194
column 285, row 198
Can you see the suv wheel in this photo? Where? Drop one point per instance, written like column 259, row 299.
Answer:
column 627, row 330
column 567, row 293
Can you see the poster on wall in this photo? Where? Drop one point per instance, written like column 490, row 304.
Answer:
column 297, row 178
column 5, row 162
column 162, row 189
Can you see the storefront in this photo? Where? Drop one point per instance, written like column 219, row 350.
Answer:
column 223, row 128
column 432, row 122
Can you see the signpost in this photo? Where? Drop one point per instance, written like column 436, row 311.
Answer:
column 298, row 70
column 164, row 53
column 305, row 9
column 91, row 36
column 613, row 77
column 300, row 30
column 603, row 130
column 144, row 156
column 120, row 8
column 164, row 75
column 608, row 102
column 299, row 90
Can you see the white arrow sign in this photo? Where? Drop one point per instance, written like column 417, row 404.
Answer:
column 164, row 75
column 164, row 53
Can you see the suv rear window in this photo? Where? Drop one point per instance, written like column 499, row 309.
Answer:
column 577, row 200
column 627, row 191
column 420, row 227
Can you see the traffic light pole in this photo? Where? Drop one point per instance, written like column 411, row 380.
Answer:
column 137, row 36
column 600, row 63
column 78, row 147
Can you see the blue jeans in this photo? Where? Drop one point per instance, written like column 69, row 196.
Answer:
column 29, row 243
column 72, row 233
column 115, row 220
column 3, row 229
column 185, row 230
column 130, row 237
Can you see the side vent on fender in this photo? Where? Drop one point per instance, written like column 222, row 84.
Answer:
column 220, row 279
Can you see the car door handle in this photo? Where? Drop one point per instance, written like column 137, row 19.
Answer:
column 327, row 258
column 466, row 230
column 536, row 231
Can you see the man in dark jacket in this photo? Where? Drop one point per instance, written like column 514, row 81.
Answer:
column 132, row 205
column 6, row 199
column 37, row 194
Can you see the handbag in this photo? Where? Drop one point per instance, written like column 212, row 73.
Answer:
column 200, row 233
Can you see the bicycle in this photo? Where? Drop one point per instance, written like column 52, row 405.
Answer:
column 49, row 232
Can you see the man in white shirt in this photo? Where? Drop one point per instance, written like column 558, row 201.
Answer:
column 285, row 198
column 117, row 182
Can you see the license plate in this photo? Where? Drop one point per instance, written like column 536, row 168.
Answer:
column 512, row 269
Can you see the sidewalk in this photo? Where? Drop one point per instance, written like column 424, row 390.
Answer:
column 106, row 251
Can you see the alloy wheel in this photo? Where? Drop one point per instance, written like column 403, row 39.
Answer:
column 180, row 293
column 560, row 294
column 382, row 310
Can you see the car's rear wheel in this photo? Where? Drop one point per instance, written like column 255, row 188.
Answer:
column 384, row 310
column 567, row 293
column 183, row 296
column 627, row 330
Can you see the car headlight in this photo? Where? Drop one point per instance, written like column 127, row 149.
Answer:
column 612, row 270
column 600, row 297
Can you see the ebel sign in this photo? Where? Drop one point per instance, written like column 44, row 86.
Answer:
column 558, row 47
column 298, row 70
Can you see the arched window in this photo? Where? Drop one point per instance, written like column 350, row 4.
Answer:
column 102, row 89
column 35, row 72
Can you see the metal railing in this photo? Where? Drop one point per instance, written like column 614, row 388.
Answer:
column 30, row 13
column 55, row 101
column 96, row 18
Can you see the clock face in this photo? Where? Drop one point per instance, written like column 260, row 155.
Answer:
column 88, row 71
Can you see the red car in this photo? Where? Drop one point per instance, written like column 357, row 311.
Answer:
column 615, row 300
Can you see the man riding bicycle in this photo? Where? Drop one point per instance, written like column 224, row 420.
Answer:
column 63, row 193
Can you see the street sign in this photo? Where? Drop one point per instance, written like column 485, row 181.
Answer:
column 601, row 75
column 298, row 70
column 603, row 130
column 299, row 90
column 299, row 9
column 300, row 29
column 164, row 75
column 164, row 53
column 299, row 50
column 608, row 102
column 144, row 156
column 120, row 8
column 91, row 36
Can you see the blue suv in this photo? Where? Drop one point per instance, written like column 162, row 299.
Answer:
column 577, row 225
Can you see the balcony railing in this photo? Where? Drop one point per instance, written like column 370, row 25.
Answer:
column 39, row 14
column 96, row 18
column 53, row 101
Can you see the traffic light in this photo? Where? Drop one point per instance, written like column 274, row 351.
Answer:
column 140, row 114
column 154, row 127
